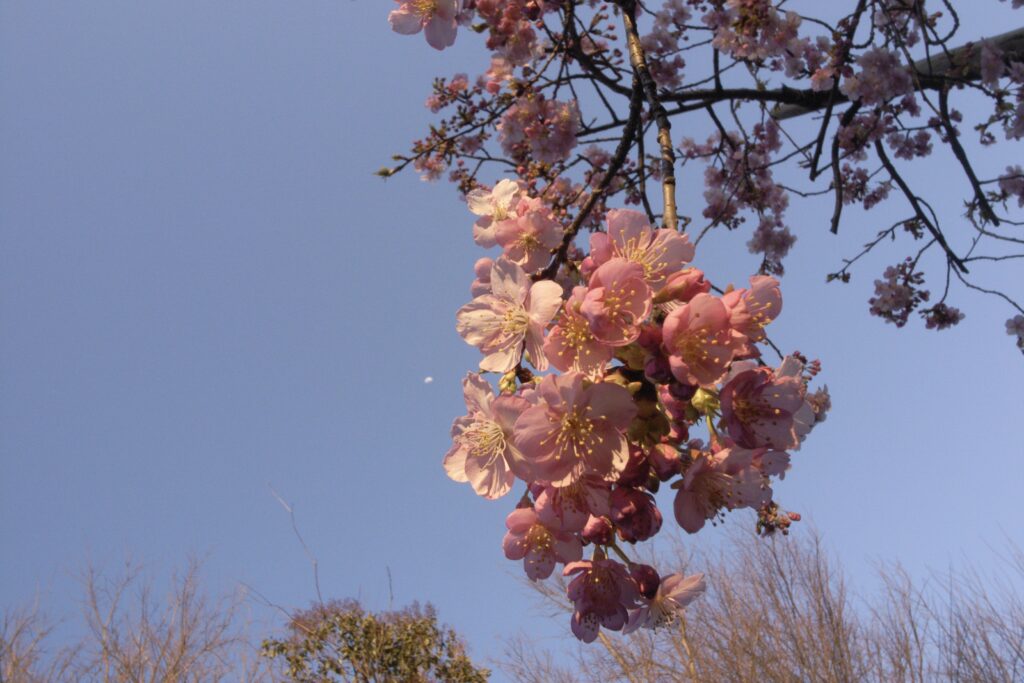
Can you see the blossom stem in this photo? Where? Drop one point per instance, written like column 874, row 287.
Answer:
column 638, row 59
column 618, row 551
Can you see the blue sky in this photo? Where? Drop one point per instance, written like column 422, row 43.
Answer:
column 204, row 292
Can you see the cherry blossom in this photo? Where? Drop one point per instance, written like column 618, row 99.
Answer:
column 512, row 316
column 493, row 207
column 537, row 545
column 659, row 252
column 758, row 408
column 617, row 301
column 436, row 18
column 602, row 593
column 674, row 593
column 699, row 341
column 482, row 439
column 571, row 345
column 574, row 430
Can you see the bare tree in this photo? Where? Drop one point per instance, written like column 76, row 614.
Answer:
column 779, row 609
column 132, row 635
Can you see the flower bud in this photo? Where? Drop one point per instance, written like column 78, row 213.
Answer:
column 598, row 530
column 683, row 286
column 705, row 401
column 682, row 392
column 664, row 459
column 647, row 579
column 658, row 370
column 635, row 472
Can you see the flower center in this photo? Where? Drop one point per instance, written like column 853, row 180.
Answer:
column 425, row 8
column 539, row 538
column 485, row 439
column 576, row 332
column 748, row 411
column 515, row 322
column 641, row 252
column 576, row 433
column 692, row 346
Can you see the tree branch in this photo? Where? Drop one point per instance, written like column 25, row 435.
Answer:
column 643, row 74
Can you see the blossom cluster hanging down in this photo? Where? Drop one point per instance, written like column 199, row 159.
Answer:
column 611, row 368
column 640, row 356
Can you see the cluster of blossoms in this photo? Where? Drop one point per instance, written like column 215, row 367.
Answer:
column 754, row 30
column 621, row 371
column 742, row 180
column 898, row 293
column 662, row 43
column 540, row 129
column 639, row 352
column 880, row 78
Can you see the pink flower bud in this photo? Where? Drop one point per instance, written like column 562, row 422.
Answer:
column 664, row 459
column 647, row 579
column 598, row 530
column 683, row 286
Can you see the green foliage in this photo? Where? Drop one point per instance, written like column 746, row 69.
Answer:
column 340, row 641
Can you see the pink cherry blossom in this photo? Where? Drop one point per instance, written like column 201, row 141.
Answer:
column 758, row 409
column 598, row 530
column 713, row 482
column 660, row 252
column 665, row 460
column 574, row 430
column 558, row 509
column 529, row 238
column 617, row 301
column 571, row 344
column 482, row 439
column 675, row 592
column 493, row 207
column 537, row 545
column 750, row 310
column 514, row 314
column 753, row 29
column 993, row 65
column 436, row 18
column 602, row 594
column 699, row 342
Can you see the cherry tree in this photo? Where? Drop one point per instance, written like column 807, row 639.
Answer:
column 621, row 366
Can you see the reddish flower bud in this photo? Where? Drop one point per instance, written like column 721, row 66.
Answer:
column 647, row 579
column 598, row 530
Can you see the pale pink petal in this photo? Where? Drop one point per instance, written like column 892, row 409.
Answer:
column 538, row 564
column 520, row 520
column 535, row 346
column 478, row 322
column 545, row 300
column 485, row 233
column 477, row 392
column 569, row 549
column 502, row 360
column 689, row 512
column 509, row 281
column 625, row 225
column 490, row 480
column 479, row 202
column 440, row 32
column 403, row 20
column 514, row 545
column 455, row 463
column 612, row 402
